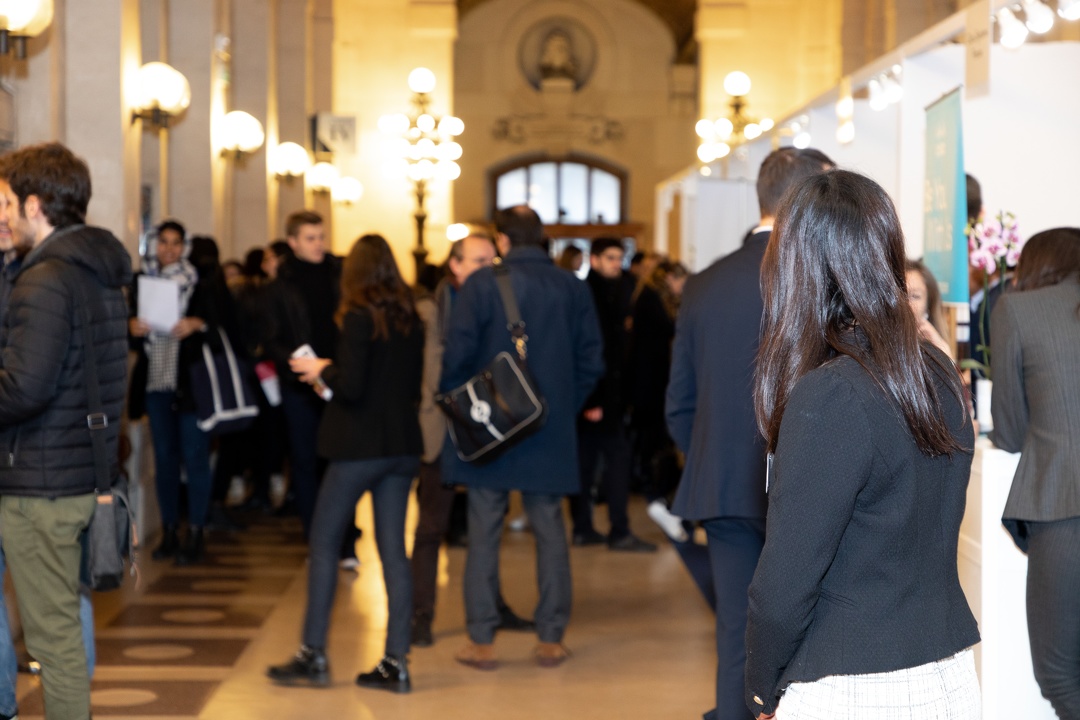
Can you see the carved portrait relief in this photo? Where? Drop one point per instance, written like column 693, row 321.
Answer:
column 557, row 47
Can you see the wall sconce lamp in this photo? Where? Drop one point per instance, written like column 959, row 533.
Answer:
column 321, row 177
column 241, row 134
column 289, row 160
column 22, row 19
column 346, row 190
column 162, row 93
column 717, row 135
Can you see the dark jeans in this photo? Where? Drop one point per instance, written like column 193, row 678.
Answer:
column 1053, row 612
column 389, row 480
column 436, row 501
column 303, row 411
column 178, row 439
column 734, row 548
column 486, row 511
column 596, row 440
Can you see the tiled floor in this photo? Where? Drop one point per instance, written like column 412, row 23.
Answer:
column 195, row 642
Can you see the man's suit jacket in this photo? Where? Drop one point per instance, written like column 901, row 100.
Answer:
column 710, row 406
column 1036, row 401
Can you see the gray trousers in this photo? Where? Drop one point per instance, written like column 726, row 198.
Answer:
column 487, row 508
column 1053, row 612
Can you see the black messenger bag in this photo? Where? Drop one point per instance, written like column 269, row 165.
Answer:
column 501, row 404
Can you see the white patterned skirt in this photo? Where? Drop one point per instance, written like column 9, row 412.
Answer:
column 947, row 689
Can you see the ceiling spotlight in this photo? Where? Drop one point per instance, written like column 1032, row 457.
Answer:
column 846, row 132
column 1013, row 32
column 1038, row 16
column 1069, row 9
column 802, row 140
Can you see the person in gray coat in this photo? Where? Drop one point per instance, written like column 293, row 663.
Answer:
column 566, row 360
column 1035, row 352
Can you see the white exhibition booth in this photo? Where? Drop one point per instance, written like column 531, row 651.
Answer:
column 1022, row 142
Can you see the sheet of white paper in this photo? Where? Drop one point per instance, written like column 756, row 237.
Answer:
column 159, row 303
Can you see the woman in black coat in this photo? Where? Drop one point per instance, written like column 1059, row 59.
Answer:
column 370, row 432
column 856, row 610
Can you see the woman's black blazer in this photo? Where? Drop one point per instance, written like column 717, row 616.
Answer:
column 858, row 574
column 376, row 384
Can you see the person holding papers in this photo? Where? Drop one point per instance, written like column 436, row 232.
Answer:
column 170, row 314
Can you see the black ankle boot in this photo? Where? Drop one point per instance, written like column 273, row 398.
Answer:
column 392, row 673
column 170, row 543
column 193, row 550
column 307, row 667
column 421, row 630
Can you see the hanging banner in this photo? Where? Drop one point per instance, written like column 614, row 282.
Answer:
column 945, row 199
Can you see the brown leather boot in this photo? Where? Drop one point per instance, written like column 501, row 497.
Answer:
column 549, row 655
column 477, row 655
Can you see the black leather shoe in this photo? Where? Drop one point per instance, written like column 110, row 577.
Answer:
column 588, row 538
column 308, row 667
column 421, row 631
column 194, row 550
column 631, row 543
column 390, row 674
column 170, row 543
column 509, row 620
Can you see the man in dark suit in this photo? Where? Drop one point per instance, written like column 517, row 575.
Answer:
column 710, row 413
column 565, row 357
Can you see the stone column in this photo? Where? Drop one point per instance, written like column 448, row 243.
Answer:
column 198, row 49
column 253, row 90
column 292, row 80
column 101, row 55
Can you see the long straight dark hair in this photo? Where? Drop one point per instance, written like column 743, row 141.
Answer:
column 370, row 280
column 834, row 284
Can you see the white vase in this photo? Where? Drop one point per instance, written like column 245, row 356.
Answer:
column 983, row 391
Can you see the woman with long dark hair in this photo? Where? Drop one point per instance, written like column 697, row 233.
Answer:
column 1035, row 337
column 856, row 609
column 370, row 433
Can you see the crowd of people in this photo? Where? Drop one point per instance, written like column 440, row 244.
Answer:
column 799, row 399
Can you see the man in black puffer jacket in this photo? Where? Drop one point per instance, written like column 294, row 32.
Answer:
column 47, row 476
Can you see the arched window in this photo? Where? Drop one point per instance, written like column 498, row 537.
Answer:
column 575, row 191
column 578, row 199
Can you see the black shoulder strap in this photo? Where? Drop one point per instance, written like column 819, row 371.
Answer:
column 96, row 419
column 514, row 323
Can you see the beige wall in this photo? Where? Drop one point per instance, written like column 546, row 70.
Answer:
column 376, row 44
column 790, row 49
column 634, row 83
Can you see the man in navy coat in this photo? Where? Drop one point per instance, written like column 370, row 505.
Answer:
column 565, row 357
column 710, row 413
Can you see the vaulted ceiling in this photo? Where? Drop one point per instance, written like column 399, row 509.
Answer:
column 676, row 14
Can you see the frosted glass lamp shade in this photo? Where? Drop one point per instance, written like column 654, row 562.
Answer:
column 347, row 190
column 737, row 83
column 241, row 132
column 320, row 177
column 290, row 160
column 421, row 80
column 26, row 17
column 161, row 86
